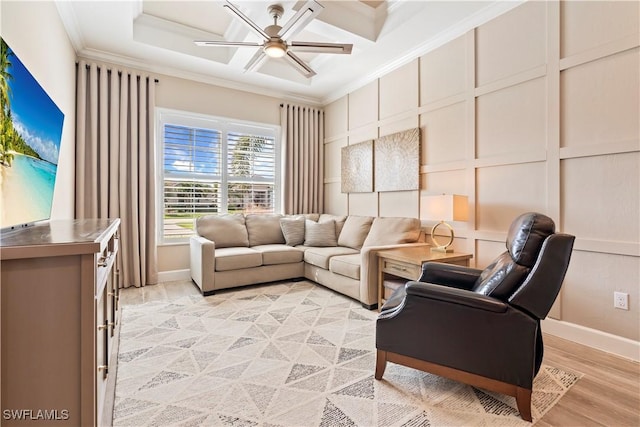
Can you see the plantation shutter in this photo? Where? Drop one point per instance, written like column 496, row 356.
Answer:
column 251, row 173
column 192, row 177
column 212, row 166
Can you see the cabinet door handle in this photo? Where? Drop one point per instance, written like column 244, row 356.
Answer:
column 104, row 368
column 102, row 262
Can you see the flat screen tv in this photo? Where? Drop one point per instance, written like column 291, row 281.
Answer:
column 31, row 125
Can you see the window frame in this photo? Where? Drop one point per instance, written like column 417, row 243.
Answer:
column 224, row 125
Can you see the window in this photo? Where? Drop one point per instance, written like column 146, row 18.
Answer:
column 213, row 165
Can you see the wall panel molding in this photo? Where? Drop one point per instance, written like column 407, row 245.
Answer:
column 517, row 79
column 332, row 180
column 607, row 247
column 565, row 145
column 445, row 167
column 443, row 103
column 602, row 149
column 609, row 49
column 336, row 138
column 532, row 156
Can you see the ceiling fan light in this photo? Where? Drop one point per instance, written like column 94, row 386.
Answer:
column 275, row 49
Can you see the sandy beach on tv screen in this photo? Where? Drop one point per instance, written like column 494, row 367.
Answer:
column 20, row 203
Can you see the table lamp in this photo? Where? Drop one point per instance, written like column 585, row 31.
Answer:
column 444, row 207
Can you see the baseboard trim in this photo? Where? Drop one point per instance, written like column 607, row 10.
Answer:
column 174, row 275
column 604, row 341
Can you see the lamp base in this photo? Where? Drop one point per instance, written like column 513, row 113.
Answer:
column 442, row 249
column 439, row 246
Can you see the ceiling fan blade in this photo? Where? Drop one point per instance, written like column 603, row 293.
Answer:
column 321, row 47
column 256, row 61
column 307, row 12
column 299, row 65
column 226, row 43
column 246, row 20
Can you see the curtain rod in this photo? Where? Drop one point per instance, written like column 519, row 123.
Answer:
column 87, row 66
column 303, row 107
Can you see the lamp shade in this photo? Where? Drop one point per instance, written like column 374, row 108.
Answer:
column 445, row 207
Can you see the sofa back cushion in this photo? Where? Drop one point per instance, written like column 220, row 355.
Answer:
column 264, row 229
column 354, row 232
column 225, row 230
column 320, row 234
column 311, row 216
column 392, row 231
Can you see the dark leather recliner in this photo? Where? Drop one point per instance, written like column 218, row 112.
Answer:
column 480, row 327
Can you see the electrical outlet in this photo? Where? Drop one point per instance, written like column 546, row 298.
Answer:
column 621, row 300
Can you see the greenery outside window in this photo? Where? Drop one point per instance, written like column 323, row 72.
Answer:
column 212, row 165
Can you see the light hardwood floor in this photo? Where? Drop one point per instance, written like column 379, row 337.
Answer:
column 608, row 394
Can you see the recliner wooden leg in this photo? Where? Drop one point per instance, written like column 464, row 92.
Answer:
column 381, row 364
column 523, row 400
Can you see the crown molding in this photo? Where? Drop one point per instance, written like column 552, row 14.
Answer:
column 70, row 23
column 107, row 57
column 485, row 15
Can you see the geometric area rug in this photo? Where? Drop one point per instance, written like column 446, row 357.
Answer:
column 287, row 354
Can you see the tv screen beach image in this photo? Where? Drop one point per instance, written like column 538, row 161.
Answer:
column 31, row 125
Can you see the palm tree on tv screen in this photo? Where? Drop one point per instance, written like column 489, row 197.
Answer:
column 6, row 123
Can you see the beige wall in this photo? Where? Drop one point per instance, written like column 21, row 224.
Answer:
column 537, row 109
column 34, row 31
column 26, row 24
column 188, row 95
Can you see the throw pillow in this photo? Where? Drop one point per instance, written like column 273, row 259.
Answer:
column 320, row 233
column 392, row 231
column 293, row 230
column 354, row 231
column 339, row 219
column 225, row 230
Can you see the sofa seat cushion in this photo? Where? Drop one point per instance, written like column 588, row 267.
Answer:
column 237, row 258
column 346, row 265
column 279, row 254
column 320, row 256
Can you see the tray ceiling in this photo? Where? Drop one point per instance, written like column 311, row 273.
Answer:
column 157, row 36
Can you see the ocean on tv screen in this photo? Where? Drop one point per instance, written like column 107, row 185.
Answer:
column 31, row 126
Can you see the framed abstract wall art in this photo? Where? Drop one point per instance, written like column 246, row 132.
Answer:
column 357, row 168
column 397, row 161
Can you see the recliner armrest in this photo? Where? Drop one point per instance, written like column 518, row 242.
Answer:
column 455, row 296
column 451, row 275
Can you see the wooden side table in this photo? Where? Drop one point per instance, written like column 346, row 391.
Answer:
column 406, row 263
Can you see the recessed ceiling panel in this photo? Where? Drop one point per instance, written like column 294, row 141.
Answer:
column 171, row 35
column 204, row 15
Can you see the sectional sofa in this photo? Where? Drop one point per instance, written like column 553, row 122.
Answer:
column 338, row 252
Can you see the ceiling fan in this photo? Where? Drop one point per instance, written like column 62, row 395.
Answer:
column 276, row 42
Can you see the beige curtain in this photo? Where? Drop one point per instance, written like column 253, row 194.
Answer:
column 303, row 142
column 115, row 162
